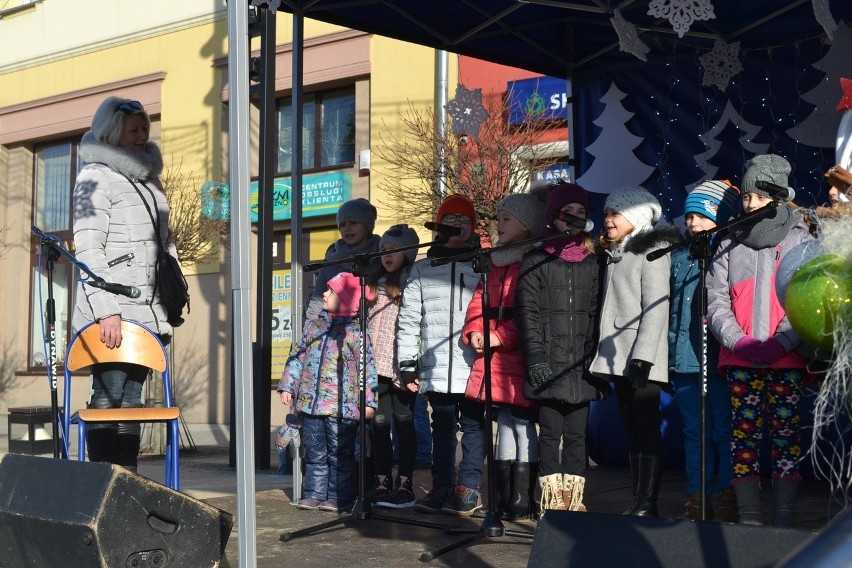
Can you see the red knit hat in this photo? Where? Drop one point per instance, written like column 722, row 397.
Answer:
column 347, row 286
column 458, row 204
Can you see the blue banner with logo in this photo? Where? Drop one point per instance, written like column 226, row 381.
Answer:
column 539, row 98
column 322, row 194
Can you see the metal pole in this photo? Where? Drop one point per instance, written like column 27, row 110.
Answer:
column 296, row 254
column 238, row 134
column 441, row 89
column 268, row 162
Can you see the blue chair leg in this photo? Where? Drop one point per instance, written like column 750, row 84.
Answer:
column 81, row 440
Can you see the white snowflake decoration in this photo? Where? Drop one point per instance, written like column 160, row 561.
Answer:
column 628, row 37
column 681, row 13
column 822, row 11
column 272, row 5
column 720, row 64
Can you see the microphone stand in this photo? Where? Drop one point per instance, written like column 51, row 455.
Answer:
column 52, row 248
column 700, row 250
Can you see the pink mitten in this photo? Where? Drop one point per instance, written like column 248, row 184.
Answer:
column 745, row 346
column 768, row 352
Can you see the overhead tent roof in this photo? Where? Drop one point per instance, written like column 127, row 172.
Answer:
column 554, row 37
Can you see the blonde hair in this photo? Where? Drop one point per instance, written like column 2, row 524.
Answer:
column 108, row 121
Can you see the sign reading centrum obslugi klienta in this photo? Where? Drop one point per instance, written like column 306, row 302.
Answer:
column 322, row 194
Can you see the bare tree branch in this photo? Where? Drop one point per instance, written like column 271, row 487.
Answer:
column 484, row 169
column 197, row 238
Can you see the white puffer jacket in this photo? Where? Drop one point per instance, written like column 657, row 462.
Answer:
column 113, row 232
column 434, row 306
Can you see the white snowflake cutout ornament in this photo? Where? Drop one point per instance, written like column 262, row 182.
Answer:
column 720, row 64
column 822, row 11
column 628, row 37
column 681, row 13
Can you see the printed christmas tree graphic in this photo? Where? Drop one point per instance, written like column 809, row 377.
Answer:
column 615, row 163
column 724, row 144
column 819, row 129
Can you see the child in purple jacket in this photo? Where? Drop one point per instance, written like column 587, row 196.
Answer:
column 321, row 380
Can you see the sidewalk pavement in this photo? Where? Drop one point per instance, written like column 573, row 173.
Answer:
column 207, row 476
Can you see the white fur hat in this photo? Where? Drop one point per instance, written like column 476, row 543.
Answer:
column 637, row 205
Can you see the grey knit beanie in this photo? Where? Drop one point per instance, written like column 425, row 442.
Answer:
column 358, row 210
column 401, row 236
column 637, row 205
column 771, row 168
column 527, row 208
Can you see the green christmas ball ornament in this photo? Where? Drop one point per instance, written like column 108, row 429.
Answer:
column 818, row 293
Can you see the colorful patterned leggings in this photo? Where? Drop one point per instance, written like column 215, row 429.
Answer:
column 772, row 394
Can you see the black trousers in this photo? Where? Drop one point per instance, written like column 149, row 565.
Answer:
column 566, row 423
column 640, row 415
column 395, row 405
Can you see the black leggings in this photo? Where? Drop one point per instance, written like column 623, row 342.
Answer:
column 640, row 415
column 395, row 405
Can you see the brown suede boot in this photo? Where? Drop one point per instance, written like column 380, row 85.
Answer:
column 693, row 508
column 726, row 507
column 573, row 487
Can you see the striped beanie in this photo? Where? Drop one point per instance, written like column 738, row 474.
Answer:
column 714, row 199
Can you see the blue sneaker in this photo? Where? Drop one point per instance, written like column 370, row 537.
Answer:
column 463, row 501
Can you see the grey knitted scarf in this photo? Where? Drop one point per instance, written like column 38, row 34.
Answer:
column 768, row 231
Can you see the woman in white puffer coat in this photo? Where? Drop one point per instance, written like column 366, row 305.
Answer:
column 114, row 236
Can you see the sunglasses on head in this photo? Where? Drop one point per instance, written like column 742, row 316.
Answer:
column 130, row 107
column 453, row 218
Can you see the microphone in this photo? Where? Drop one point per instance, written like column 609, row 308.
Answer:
column 575, row 222
column 446, row 231
column 120, row 289
column 773, row 190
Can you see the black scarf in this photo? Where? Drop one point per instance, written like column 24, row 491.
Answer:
column 768, row 231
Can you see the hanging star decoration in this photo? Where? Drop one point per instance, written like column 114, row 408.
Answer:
column 822, row 11
column 720, row 64
column 681, row 13
column 628, row 37
column 271, row 5
column 467, row 111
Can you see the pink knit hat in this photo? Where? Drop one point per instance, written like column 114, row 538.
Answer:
column 347, row 286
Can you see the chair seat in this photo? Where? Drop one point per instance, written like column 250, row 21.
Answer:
column 146, row 414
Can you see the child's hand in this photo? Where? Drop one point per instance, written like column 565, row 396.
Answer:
column 286, row 398
column 477, row 341
column 414, row 385
column 768, row 352
column 745, row 346
column 369, row 412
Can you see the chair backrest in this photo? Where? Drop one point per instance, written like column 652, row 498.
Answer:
column 139, row 345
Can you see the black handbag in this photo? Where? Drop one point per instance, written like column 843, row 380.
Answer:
column 170, row 285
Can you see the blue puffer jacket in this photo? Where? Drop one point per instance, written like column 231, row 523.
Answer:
column 684, row 318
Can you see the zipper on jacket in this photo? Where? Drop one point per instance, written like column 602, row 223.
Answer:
column 125, row 257
column 319, row 371
column 461, row 292
column 452, row 312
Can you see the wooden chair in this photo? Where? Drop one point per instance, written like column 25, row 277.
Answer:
column 141, row 346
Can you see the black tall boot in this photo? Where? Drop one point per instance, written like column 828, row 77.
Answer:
column 648, row 472
column 518, row 506
column 502, row 489
column 128, row 451
column 102, row 444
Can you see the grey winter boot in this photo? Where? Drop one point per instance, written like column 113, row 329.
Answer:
column 748, row 501
column 784, row 491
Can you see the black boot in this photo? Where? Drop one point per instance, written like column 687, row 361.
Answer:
column 502, row 489
column 128, row 451
column 648, row 475
column 518, row 506
column 102, row 444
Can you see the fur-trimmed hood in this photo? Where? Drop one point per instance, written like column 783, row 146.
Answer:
column 137, row 166
column 653, row 239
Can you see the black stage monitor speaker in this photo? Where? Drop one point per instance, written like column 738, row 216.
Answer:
column 56, row 513
column 578, row 540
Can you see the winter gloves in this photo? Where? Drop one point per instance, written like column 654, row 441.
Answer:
column 539, row 375
column 638, row 372
column 759, row 352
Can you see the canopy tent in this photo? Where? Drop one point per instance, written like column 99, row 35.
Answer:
column 554, row 37
column 770, row 83
column 577, row 40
